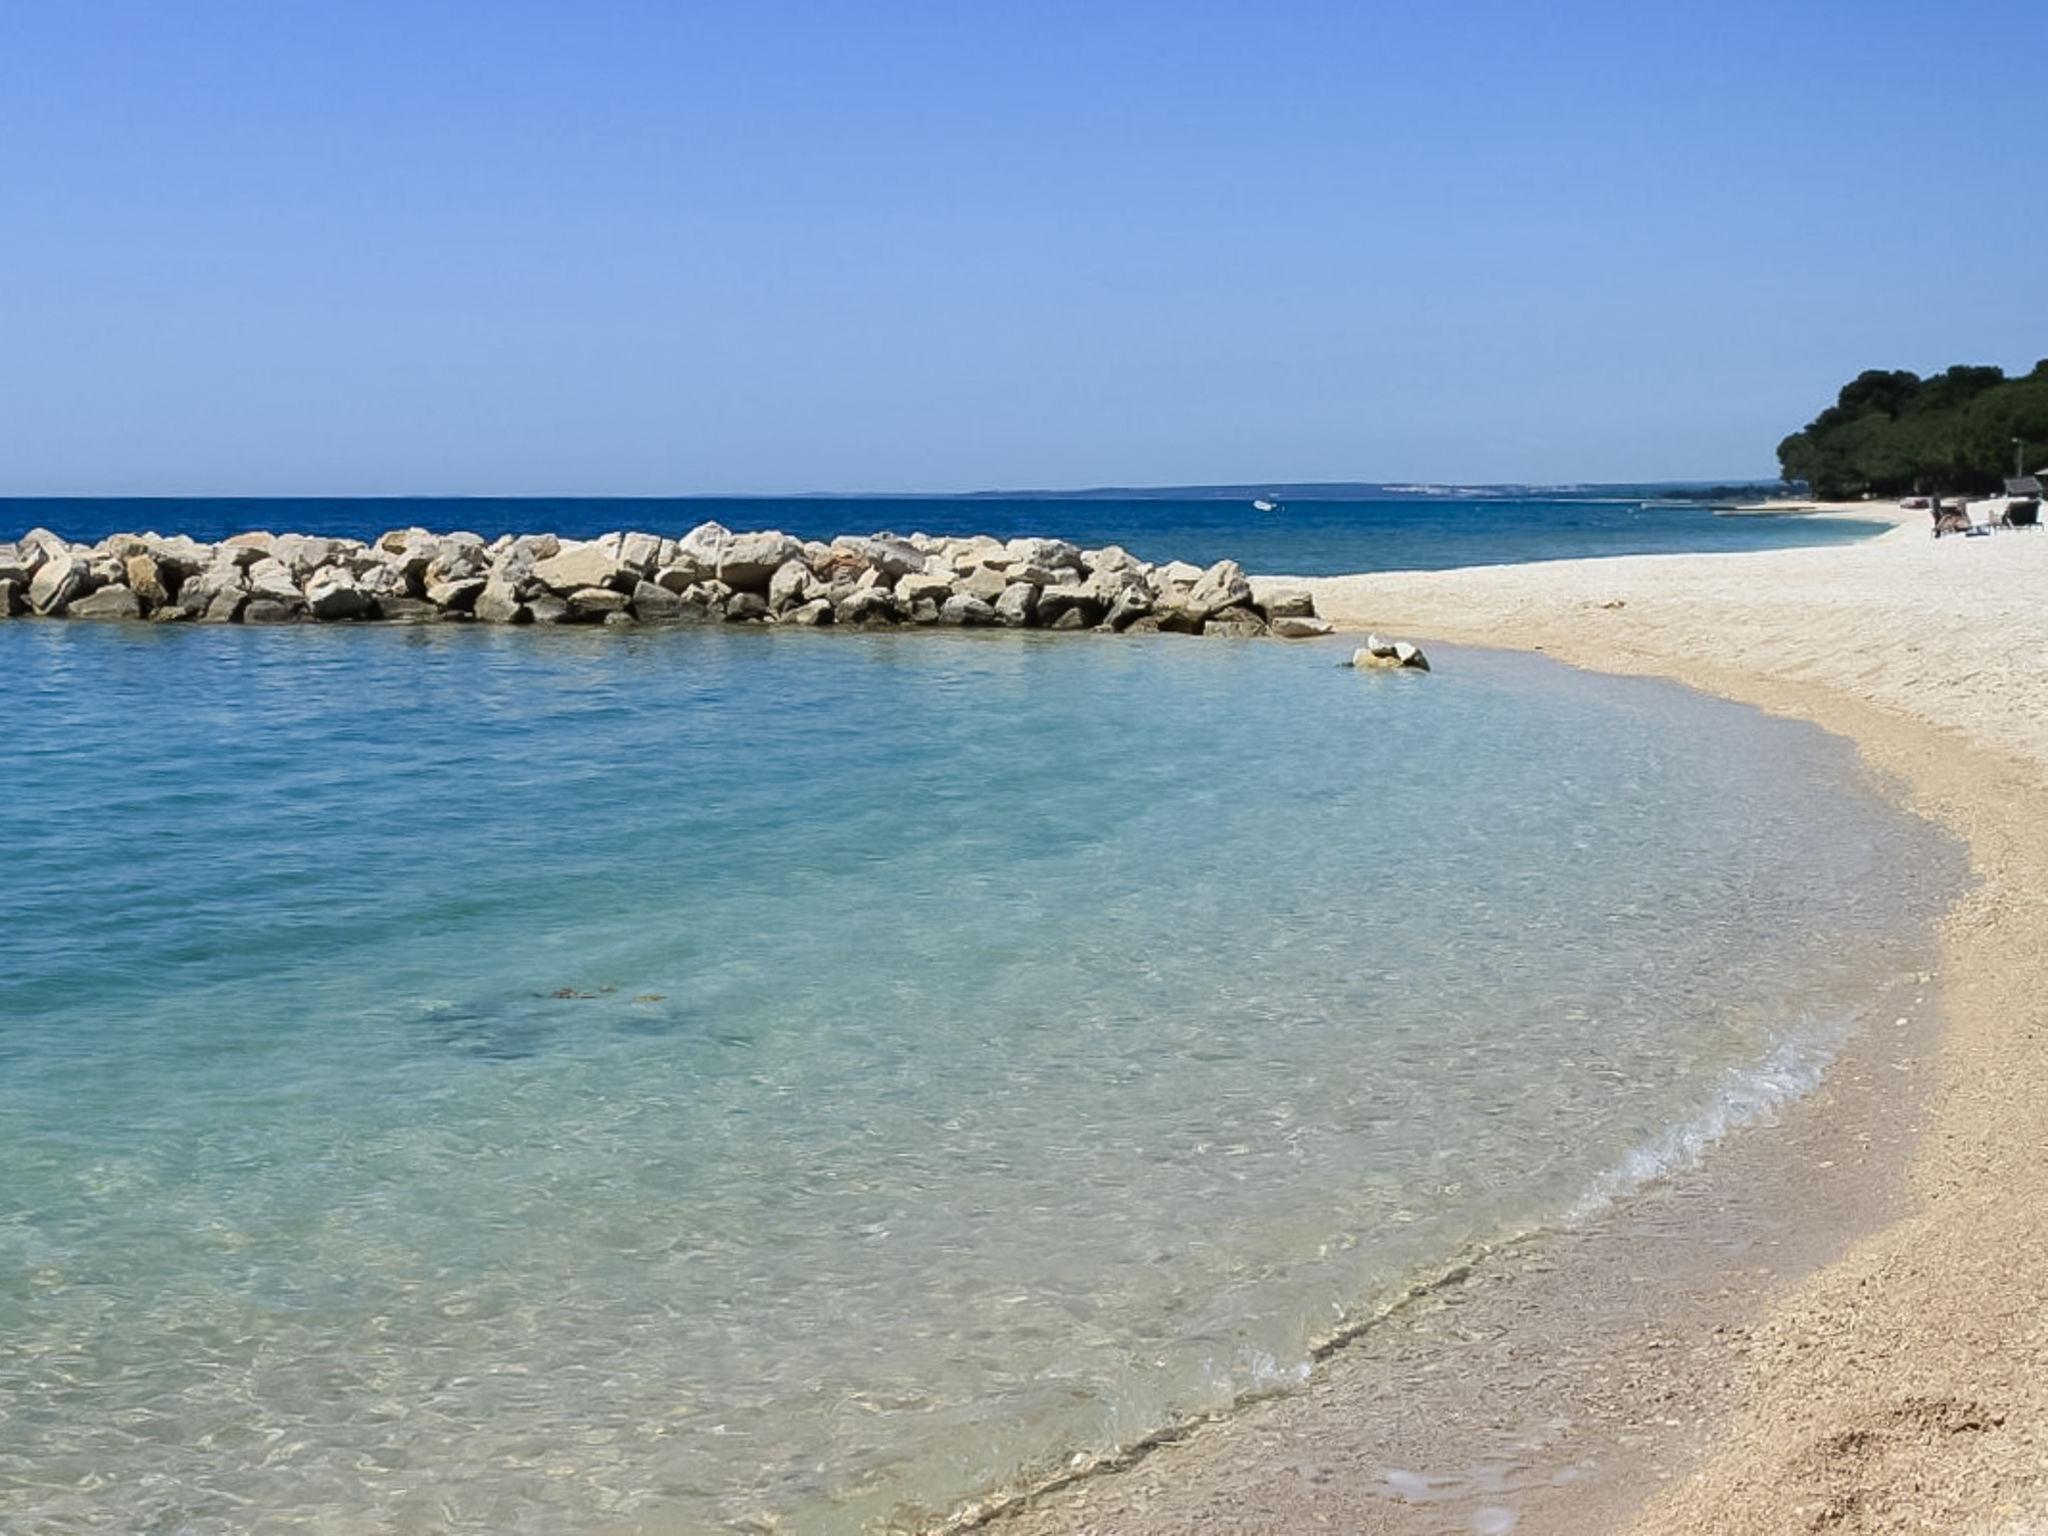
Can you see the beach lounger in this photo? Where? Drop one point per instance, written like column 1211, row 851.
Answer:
column 1949, row 519
column 2021, row 512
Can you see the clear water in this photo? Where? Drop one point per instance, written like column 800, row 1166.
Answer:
column 1306, row 538
column 457, row 1080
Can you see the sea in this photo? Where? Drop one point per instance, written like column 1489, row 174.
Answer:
column 1389, row 529
column 545, row 1082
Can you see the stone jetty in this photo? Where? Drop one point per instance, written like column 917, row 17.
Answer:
column 710, row 575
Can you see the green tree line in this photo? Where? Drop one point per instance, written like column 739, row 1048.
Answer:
column 1895, row 433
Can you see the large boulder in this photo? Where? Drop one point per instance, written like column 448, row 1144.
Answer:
column 270, row 610
column 392, row 540
column 38, row 547
column 965, row 554
column 1127, row 607
column 110, row 602
column 1047, row 554
column 817, row 611
column 696, row 557
column 872, row 604
column 384, row 584
column 58, row 582
column 197, row 592
column 639, row 553
column 984, row 581
column 1018, row 605
column 1288, row 603
column 967, row 610
column 1234, row 621
column 597, row 602
column 224, row 606
column 577, row 568
column 883, row 552
column 498, row 603
column 656, row 603
column 749, row 560
column 10, row 598
column 457, row 557
column 924, row 585
column 271, row 580
column 151, row 579
column 180, row 556
column 460, row 595
column 332, row 593
column 1055, row 603
column 302, row 554
column 1221, row 586
column 790, row 586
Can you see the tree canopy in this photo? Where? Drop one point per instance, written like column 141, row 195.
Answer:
column 1895, row 433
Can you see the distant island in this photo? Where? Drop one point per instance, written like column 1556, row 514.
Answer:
column 1895, row 433
column 1373, row 490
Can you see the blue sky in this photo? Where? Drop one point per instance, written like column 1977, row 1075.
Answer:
column 644, row 248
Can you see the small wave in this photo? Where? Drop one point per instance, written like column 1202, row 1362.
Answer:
column 1748, row 1095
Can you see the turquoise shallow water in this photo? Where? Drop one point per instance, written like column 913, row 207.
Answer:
column 581, row 1081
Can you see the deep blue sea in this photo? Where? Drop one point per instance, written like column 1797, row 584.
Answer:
column 544, row 1082
column 1305, row 538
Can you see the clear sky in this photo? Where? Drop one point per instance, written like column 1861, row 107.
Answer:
column 598, row 246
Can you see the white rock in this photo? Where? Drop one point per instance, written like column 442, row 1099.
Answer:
column 58, row 581
column 1221, row 586
column 112, row 602
column 1289, row 627
column 750, row 559
column 272, row 579
column 1049, row 554
column 790, row 585
column 578, row 567
column 1017, row 605
column 332, row 593
column 965, row 609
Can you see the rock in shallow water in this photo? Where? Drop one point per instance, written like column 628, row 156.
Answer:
column 107, row 603
column 1289, row 627
column 57, row 582
column 711, row 573
column 1388, row 654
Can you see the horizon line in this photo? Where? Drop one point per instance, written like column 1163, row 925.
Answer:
column 1213, row 490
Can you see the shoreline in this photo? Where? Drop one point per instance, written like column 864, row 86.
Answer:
column 1904, row 1386
column 1888, row 1369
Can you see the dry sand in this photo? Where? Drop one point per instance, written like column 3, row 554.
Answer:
column 1842, row 1324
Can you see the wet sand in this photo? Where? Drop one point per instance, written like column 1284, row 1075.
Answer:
column 1840, row 1322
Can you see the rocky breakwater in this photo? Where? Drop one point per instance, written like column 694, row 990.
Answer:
column 710, row 575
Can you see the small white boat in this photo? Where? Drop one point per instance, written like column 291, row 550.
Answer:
column 1263, row 505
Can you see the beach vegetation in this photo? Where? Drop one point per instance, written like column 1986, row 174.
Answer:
column 1892, row 432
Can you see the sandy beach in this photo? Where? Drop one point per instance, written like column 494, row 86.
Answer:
column 1837, row 1324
